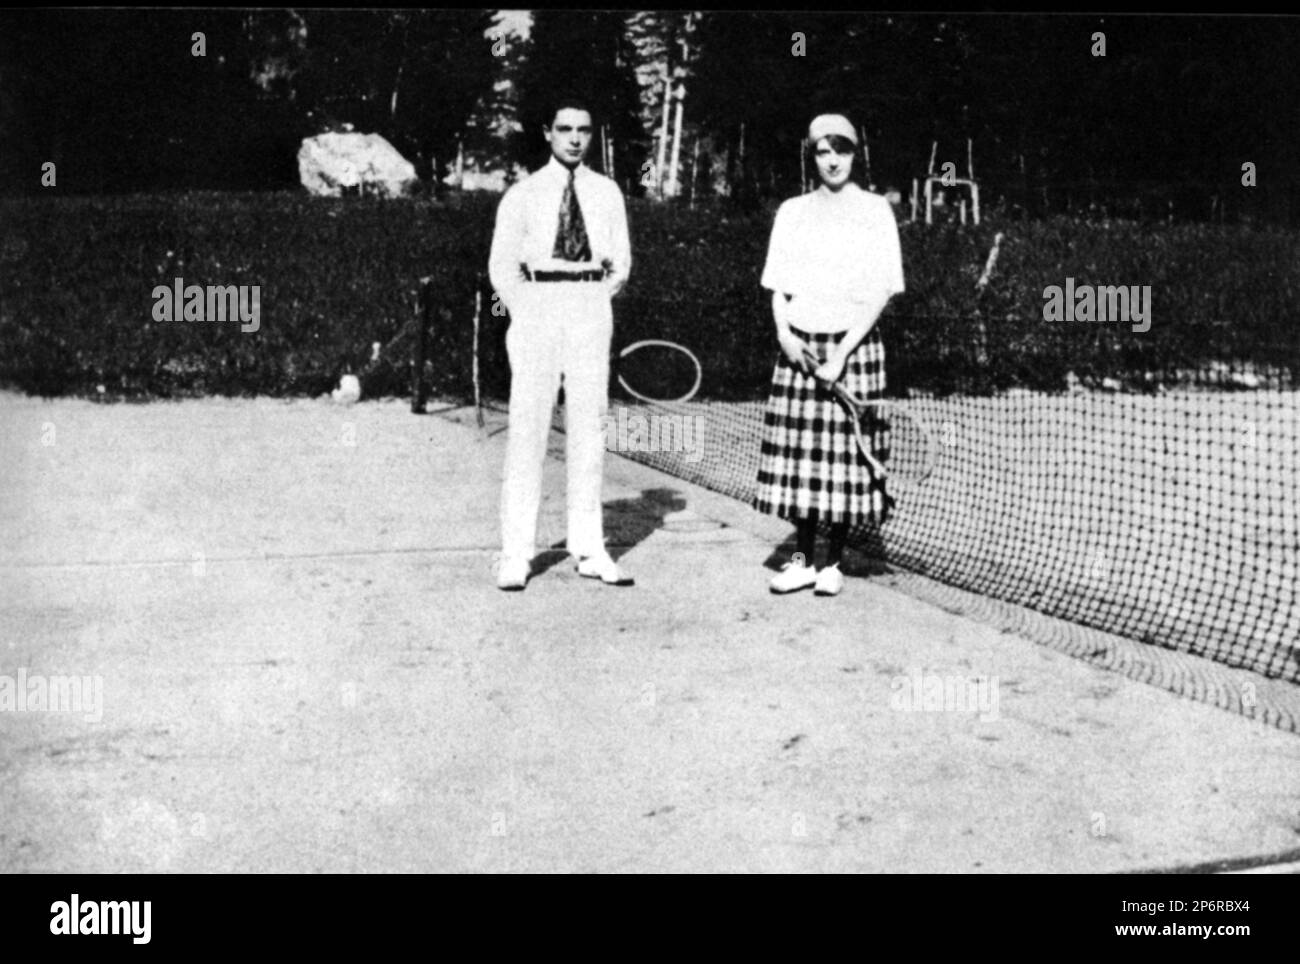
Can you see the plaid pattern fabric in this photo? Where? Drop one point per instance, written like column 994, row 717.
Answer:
column 811, row 467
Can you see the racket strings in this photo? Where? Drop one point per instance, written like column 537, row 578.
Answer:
column 658, row 371
column 876, row 430
column 902, row 445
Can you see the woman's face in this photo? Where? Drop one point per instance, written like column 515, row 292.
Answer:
column 833, row 168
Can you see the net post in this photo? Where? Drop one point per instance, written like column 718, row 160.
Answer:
column 419, row 345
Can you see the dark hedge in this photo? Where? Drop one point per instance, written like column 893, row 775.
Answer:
column 338, row 275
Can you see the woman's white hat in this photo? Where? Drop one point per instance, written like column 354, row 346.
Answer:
column 824, row 125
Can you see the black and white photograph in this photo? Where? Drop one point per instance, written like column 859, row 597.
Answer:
column 646, row 442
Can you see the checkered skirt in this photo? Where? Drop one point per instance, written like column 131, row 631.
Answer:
column 811, row 467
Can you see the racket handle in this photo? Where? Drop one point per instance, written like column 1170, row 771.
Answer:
column 873, row 463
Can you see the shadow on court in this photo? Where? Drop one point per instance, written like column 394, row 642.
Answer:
column 628, row 523
column 863, row 558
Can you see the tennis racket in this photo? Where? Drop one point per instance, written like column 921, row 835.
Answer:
column 912, row 449
column 658, row 371
column 384, row 355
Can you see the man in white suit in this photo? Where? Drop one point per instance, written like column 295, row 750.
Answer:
column 560, row 252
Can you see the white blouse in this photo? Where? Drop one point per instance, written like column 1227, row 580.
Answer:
column 832, row 253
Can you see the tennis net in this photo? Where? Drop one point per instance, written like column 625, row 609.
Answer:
column 1083, row 473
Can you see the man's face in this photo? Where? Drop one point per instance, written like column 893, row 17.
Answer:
column 569, row 136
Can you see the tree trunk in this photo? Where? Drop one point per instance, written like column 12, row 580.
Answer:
column 674, row 177
column 661, row 157
column 695, row 166
column 392, row 103
column 674, row 167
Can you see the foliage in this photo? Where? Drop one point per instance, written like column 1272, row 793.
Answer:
column 337, row 275
column 582, row 53
column 116, row 99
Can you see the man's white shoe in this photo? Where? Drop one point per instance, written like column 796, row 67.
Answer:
column 829, row 581
column 793, row 576
column 512, row 573
column 605, row 569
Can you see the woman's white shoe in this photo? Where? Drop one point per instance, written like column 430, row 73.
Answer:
column 792, row 577
column 829, row 581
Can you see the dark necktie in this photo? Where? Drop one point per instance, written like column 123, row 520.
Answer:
column 571, row 237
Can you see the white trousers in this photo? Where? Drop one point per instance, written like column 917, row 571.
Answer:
column 557, row 330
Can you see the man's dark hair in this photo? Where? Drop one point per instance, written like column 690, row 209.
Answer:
column 568, row 102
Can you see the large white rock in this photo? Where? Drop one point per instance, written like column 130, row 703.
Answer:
column 337, row 162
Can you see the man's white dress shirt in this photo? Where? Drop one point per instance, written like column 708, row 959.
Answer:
column 529, row 217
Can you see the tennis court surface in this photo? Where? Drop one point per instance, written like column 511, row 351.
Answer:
column 305, row 665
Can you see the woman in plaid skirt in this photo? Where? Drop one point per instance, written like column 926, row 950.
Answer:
column 832, row 264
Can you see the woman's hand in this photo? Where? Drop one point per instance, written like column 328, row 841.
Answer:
column 831, row 369
column 793, row 346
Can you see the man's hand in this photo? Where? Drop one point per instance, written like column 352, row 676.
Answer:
column 611, row 284
column 507, row 300
column 794, row 347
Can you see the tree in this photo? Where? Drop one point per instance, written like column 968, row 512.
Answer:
column 119, row 100
column 587, row 53
column 413, row 76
